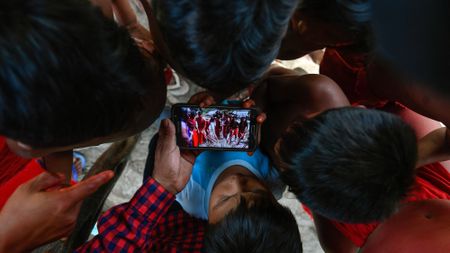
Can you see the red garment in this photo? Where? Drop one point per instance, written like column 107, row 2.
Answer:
column 151, row 222
column 432, row 182
column 10, row 163
column 195, row 138
column 201, row 123
column 14, row 171
column 349, row 70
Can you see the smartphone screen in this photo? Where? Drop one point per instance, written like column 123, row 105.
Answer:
column 216, row 128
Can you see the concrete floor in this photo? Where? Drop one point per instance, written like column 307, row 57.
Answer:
column 131, row 178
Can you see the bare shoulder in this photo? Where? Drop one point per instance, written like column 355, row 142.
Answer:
column 419, row 223
column 311, row 88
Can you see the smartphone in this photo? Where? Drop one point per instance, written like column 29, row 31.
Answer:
column 215, row 128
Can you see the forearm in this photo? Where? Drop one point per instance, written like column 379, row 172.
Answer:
column 125, row 13
column 132, row 224
column 7, row 244
column 434, row 147
column 331, row 239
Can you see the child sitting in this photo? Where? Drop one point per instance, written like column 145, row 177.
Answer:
column 347, row 164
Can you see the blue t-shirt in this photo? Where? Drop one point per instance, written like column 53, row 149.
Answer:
column 209, row 166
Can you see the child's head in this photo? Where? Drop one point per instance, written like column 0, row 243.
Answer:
column 257, row 227
column 349, row 164
column 68, row 75
column 222, row 45
column 336, row 22
column 244, row 216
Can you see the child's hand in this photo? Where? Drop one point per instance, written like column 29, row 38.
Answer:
column 250, row 103
column 260, row 96
column 41, row 210
column 172, row 168
column 203, row 99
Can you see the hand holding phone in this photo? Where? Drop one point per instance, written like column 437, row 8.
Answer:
column 215, row 128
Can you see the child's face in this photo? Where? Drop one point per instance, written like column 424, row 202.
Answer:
column 233, row 184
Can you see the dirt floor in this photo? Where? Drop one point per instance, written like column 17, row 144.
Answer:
column 131, row 178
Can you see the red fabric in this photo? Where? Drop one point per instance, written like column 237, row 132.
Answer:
column 14, row 171
column 30, row 171
column 348, row 69
column 195, row 138
column 151, row 222
column 10, row 163
column 432, row 182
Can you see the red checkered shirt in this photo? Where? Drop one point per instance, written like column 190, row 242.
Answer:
column 151, row 222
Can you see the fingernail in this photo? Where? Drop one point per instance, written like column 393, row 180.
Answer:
column 163, row 124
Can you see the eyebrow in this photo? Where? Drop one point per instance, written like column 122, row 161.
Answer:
column 221, row 202
column 259, row 192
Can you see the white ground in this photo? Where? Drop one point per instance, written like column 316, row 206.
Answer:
column 131, row 179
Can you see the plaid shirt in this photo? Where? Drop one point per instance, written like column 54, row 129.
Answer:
column 151, row 222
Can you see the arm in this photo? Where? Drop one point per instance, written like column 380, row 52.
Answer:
column 125, row 14
column 331, row 240
column 386, row 84
column 131, row 225
column 434, row 147
column 141, row 223
column 41, row 211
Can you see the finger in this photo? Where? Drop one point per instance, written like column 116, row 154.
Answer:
column 167, row 136
column 198, row 98
column 45, row 181
column 261, row 118
column 80, row 191
column 209, row 100
column 248, row 103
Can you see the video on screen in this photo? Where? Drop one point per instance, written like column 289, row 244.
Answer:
column 215, row 128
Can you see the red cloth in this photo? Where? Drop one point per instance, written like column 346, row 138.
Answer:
column 14, row 171
column 349, row 70
column 10, row 163
column 432, row 182
column 151, row 222
column 195, row 138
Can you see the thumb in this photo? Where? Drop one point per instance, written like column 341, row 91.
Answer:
column 45, row 181
column 167, row 135
column 80, row 191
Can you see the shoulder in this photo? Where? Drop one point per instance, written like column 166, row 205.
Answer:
column 411, row 224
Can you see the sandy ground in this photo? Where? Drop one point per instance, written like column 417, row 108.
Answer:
column 131, row 178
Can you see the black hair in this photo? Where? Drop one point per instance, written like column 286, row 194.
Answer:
column 351, row 12
column 350, row 164
column 67, row 73
column 221, row 43
column 355, row 15
column 258, row 227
